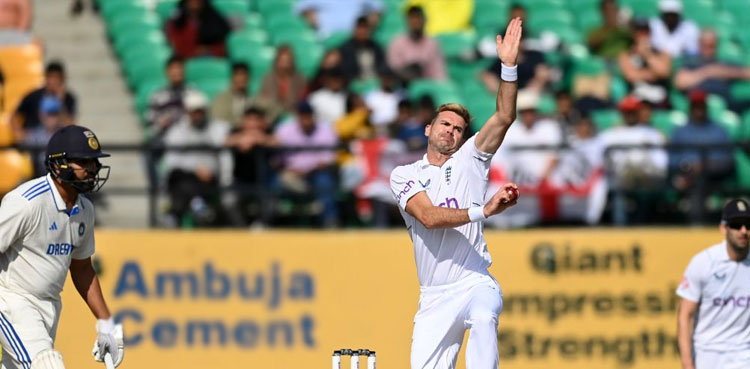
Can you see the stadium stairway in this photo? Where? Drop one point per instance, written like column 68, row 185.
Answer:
column 104, row 103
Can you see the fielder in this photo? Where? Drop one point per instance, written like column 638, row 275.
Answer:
column 441, row 199
column 716, row 287
column 46, row 229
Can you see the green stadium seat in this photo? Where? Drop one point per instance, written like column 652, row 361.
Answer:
column 588, row 20
column 232, row 8
column 336, row 39
column 700, row 11
column 165, row 8
column 667, row 120
column 212, row 87
column 135, row 39
column 642, row 8
column 679, row 101
column 307, row 56
column 731, row 122
column 113, row 9
column 618, row 88
column 441, row 91
column 549, row 19
column 363, row 86
column 457, row 44
column 260, row 61
column 489, row 15
column 140, row 55
column 547, row 104
column 716, row 106
column 742, row 169
column 129, row 23
column 253, row 21
column 390, row 26
column 144, row 71
column 143, row 94
column 206, row 68
column 284, row 29
column 275, row 8
column 589, row 66
column 245, row 39
column 740, row 90
column 729, row 52
column 745, row 127
column 605, row 119
column 577, row 6
column 465, row 71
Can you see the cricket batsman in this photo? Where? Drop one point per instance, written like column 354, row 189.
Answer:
column 46, row 229
column 441, row 198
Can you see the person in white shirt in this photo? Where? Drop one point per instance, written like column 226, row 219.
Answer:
column 713, row 320
column 46, row 229
column 329, row 102
column 441, row 198
column 672, row 34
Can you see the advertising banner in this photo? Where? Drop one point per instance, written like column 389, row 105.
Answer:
column 572, row 298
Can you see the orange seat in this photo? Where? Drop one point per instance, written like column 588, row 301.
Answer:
column 20, row 58
column 16, row 90
column 6, row 132
column 17, row 168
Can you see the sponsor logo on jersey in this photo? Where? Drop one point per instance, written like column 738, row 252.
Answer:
column 740, row 301
column 53, row 227
column 450, row 202
column 424, row 185
column 720, row 276
column 60, row 249
column 404, row 191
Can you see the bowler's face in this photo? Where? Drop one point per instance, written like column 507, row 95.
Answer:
column 446, row 132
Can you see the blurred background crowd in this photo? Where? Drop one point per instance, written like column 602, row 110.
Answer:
column 294, row 112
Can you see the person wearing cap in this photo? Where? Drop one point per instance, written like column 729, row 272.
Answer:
column 641, row 170
column 310, row 171
column 713, row 319
column 671, row 33
column 689, row 171
column 530, row 167
column 51, row 116
column 46, row 230
column 194, row 176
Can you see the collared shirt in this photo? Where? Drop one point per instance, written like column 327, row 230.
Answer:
column 39, row 237
column 721, row 286
column 683, row 41
column 291, row 134
column 446, row 255
column 404, row 51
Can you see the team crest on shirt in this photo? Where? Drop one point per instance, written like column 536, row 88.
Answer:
column 448, row 175
column 81, row 229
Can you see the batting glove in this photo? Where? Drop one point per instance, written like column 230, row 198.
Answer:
column 109, row 340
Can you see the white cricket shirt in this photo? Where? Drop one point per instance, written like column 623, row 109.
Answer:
column 444, row 256
column 39, row 237
column 722, row 287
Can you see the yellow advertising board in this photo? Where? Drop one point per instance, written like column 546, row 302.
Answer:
column 572, row 298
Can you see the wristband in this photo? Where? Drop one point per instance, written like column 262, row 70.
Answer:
column 476, row 213
column 508, row 74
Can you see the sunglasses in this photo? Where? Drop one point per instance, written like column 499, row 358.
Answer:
column 738, row 225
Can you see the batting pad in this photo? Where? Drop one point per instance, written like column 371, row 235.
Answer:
column 48, row 359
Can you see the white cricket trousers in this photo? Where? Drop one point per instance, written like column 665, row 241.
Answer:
column 446, row 312
column 27, row 327
column 705, row 359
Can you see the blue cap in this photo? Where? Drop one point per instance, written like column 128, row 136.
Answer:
column 50, row 105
